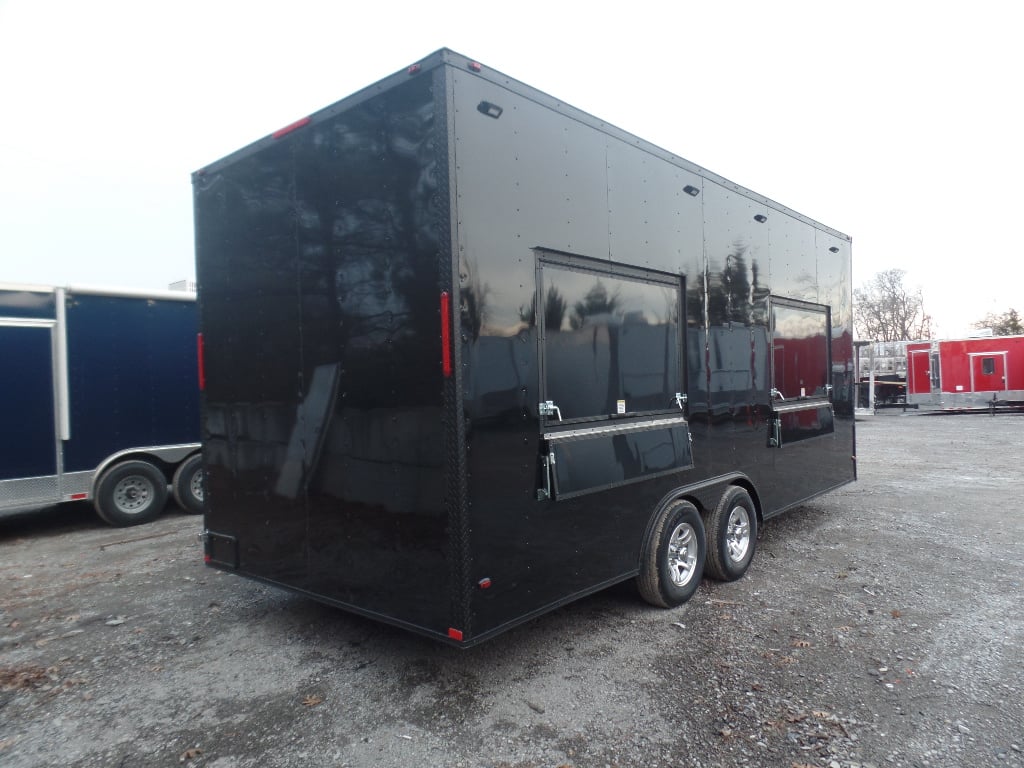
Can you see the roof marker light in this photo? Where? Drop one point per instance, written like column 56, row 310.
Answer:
column 491, row 110
column 413, row 69
column 691, row 190
column 761, row 218
column 289, row 128
column 475, row 66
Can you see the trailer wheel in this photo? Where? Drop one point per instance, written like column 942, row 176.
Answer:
column 672, row 561
column 131, row 493
column 187, row 485
column 732, row 535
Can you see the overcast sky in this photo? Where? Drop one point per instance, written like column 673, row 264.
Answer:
column 898, row 123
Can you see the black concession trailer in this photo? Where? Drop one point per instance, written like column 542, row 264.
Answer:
column 471, row 353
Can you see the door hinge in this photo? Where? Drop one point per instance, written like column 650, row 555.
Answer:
column 547, row 466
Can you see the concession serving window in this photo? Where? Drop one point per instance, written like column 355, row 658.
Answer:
column 612, row 397
column 801, row 352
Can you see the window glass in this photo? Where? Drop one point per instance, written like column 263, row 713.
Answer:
column 988, row 365
column 799, row 349
column 611, row 342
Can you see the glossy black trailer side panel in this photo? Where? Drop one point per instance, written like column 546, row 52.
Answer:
column 536, row 179
column 319, row 271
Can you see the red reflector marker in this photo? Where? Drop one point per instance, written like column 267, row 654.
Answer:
column 207, row 558
column 289, row 128
column 79, row 496
column 484, row 583
column 201, row 359
column 446, row 334
column 455, row 634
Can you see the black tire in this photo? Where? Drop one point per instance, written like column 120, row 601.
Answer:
column 131, row 493
column 187, row 485
column 732, row 535
column 672, row 561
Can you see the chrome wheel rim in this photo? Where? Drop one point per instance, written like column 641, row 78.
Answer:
column 133, row 494
column 196, row 486
column 737, row 534
column 682, row 554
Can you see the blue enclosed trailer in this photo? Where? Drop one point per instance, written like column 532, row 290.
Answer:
column 99, row 400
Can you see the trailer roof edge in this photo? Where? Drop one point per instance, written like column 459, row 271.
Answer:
column 462, row 63
column 95, row 290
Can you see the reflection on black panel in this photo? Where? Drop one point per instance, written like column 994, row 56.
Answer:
column 611, row 342
column 806, row 423
column 591, row 462
column 800, row 364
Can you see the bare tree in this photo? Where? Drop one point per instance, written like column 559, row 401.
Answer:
column 884, row 309
column 1007, row 324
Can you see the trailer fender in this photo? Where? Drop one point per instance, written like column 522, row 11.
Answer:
column 150, row 470
column 705, row 496
column 170, row 455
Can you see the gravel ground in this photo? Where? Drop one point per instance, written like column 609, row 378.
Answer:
column 880, row 625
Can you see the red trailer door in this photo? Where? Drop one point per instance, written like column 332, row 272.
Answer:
column 919, row 377
column 988, row 371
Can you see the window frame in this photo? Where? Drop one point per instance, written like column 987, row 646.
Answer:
column 560, row 260
column 800, row 305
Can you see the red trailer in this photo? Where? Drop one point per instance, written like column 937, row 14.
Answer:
column 961, row 374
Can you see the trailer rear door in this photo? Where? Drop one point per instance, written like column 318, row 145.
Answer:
column 28, row 412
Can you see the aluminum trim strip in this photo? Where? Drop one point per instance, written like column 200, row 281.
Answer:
column 614, row 429
column 99, row 290
column 801, row 405
column 26, row 322
column 60, row 369
column 129, row 293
